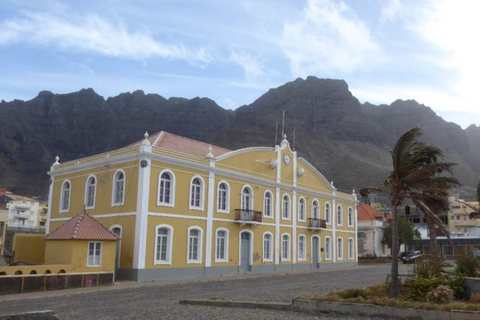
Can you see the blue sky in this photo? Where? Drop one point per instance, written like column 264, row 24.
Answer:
column 234, row 51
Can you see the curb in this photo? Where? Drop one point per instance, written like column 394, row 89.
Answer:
column 354, row 309
column 34, row 315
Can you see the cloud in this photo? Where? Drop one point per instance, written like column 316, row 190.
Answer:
column 328, row 38
column 390, row 11
column 253, row 68
column 92, row 33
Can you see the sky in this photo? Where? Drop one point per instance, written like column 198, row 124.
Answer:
column 235, row 51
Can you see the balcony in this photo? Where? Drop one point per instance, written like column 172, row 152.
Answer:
column 23, row 215
column 247, row 216
column 317, row 223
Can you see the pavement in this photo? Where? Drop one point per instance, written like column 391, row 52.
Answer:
column 155, row 300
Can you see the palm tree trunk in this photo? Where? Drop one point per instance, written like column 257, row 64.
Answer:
column 433, row 238
column 394, row 286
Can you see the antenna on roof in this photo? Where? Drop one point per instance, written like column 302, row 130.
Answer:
column 276, row 131
column 293, row 145
column 283, row 123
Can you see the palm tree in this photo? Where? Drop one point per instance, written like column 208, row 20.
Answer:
column 415, row 169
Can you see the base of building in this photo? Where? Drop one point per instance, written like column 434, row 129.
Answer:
column 143, row 275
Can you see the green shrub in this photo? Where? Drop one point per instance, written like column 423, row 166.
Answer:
column 468, row 264
column 353, row 293
column 441, row 294
column 427, row 267
column 457, row 283
column 419, row 287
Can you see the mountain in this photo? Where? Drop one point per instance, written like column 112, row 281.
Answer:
column 347, row 141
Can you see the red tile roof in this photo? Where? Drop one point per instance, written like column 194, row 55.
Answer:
column 368, row 213
column 82, row 227
column 188, row 146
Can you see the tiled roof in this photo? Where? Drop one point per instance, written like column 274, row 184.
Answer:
column 368, row 213
column 15, row 197
column 82, row 227
column 188, row 146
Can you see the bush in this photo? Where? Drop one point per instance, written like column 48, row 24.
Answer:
column 419, row 287
column 427, row 267
column 475, row 298
column 457, row 283
column 468, row 264
column 353, row 293
column 441, row 294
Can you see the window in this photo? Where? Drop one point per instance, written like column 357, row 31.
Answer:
column 465, row 218
column 267, row 247
column 350, row 248
column 301, row 209
column 286, row 207
column 94, row 254
column 247, row 198
column 65, row 197
column 118, row 188
column 340, row 248
column 223, row 198
column 315, row 212
column 90, row 192
column 196, row 194
column 328, row 248
column 163, row 245
column 327, row 212
column 339, row 215
column 166, row 189
column 301, row 248
column 267, row 204
column 221, row 251
column 458, row 217
column 350, row 217
column 285, row 247
column 452, row 217
column 194, row 246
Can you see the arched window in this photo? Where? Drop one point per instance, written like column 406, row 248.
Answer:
column 286, row 207
column 267, row 247
column 350, row 217
column 223, row 197
column 90, row 191
column 328, row 248
column 194, row 254
column 65, row 196
column 268, row 204
column 350, row 248
column 301, row 209
column 163, row 244
column 166, row 189
column 315, row 210
column 327, row 212
column 301, row 248
column 118, row 188
column 221, row 251
column 247, row 198
column 285, row 247
column 340, row 248
column 339, row 215
column 196, row 193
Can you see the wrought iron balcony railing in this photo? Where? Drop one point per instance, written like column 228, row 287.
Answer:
column 317, row 223
column 244, row 215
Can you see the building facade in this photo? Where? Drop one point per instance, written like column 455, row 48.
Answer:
column 371, row 226
column 459, row 222
column 23, row 212
column 183, row 208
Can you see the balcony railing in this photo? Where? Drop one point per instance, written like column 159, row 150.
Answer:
column 317, row 223
column 248, row 216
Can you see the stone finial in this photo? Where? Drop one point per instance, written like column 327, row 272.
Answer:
column 331, row 183
column 56, row 163
column 210, row 153
column 353, row 192
column 285, row 136
column 145, row 141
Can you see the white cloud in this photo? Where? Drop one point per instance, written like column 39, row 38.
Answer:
column 391, row 9
column 92, row 33
column 328, row 38
column 253, row 68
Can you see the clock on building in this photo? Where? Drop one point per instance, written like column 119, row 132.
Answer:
column 286, row 159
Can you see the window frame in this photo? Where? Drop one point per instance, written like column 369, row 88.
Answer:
column 270, row 212
column 317, row 206
column 171, row 203
column 169, row 245
column 339, row 248
column 227, row 197
column 62, row 196
column 87, row 185
column 328, row 248
column 270, row 247
column 226, row 245
column 95, row 243
column 250, row 198
column 287, row 207
column 114, row 188
column 201, row 194
column 300, row 200
column 304, row 257
column 350, row 217
column 288, row 258
column 339, row 214
column 350, row 249
column 328, row 213
column 200, row 245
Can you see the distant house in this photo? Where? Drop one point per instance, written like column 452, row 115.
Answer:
column 371, row 225
column 23, row 212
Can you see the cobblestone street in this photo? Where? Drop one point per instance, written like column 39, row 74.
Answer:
column 157, row 300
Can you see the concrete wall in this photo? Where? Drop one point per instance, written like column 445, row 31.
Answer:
column 29, row 248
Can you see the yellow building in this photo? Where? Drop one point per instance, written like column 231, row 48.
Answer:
column 459, row 222
column 183, row 208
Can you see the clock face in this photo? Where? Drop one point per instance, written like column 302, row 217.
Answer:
column 286, row 159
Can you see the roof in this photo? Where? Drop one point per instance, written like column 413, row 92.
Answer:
column 82, row 227
column 184, row 145
column 368, row 213
column 20, row 198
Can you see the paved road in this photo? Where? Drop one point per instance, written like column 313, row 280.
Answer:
column 160, row 300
